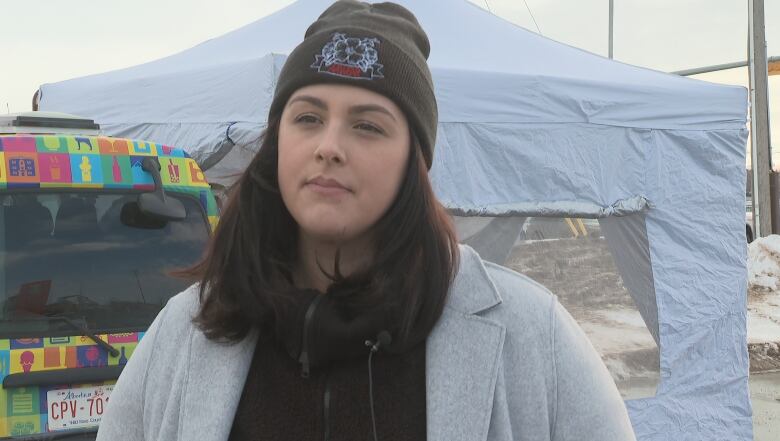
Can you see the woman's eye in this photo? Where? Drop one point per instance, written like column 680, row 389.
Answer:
column 369, row 128
column 307, row 119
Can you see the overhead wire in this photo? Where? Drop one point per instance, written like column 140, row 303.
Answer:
column 532, row 17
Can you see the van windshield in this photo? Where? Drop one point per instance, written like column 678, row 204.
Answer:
column 90, row 257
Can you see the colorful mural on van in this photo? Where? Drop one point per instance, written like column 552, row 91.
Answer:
column 63, row 291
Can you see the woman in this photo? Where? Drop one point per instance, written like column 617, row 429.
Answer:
column 334, row 301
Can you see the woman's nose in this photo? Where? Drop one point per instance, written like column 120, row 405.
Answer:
column 330, row 148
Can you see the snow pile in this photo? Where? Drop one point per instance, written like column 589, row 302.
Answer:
column 763, row 321
column 764, row 263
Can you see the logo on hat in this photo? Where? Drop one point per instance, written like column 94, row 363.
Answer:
column 350, row 57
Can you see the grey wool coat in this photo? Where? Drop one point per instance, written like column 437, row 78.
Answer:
column 504, row 362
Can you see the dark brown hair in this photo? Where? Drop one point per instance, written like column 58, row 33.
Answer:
column 245, row 273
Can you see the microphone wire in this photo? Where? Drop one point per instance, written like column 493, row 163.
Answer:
column 382, row 338
column 371, row 393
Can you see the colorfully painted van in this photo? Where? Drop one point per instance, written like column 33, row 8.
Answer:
column 90, row 226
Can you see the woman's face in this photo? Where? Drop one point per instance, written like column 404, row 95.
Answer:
column 342, row 156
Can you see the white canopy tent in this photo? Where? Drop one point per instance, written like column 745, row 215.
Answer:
column 527, row 127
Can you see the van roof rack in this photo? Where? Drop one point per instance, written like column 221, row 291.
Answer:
column 47, row 122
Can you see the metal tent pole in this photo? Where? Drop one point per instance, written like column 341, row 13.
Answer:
column 759, row 119
column 611, row 28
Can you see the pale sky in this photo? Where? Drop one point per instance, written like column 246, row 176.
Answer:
column 45, row 41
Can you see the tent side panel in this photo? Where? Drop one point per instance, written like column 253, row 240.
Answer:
column 487, row 169
column 697, row 247
column 627, row 242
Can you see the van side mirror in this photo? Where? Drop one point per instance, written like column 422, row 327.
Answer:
column 156, row 204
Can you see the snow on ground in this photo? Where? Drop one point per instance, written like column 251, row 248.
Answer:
column 764, row 262
column 582, row 273
column 626, row 347
column 764, row 291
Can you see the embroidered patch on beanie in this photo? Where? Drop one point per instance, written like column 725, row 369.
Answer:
column 350, row 57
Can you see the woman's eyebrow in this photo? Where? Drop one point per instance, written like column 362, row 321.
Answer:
column 361, row 108
column 370, row 108
column 311, row 100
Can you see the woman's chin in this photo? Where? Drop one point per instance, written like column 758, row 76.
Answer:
column 329, row 233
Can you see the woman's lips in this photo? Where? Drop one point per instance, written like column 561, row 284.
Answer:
column 327, row 187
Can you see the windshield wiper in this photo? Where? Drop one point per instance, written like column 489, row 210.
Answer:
column 86, row 332
column 83, row 329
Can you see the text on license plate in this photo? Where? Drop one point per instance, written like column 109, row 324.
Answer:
column 78, row 407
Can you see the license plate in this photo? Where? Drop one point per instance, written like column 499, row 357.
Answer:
column 78, row 407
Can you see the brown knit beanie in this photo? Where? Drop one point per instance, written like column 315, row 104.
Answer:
column 380, row 47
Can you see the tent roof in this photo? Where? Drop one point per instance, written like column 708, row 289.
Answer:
column 493, row 72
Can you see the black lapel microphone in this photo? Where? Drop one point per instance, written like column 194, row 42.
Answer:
column 382, row 339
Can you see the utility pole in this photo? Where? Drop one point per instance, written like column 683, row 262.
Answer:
column 759, row 119
column 611, row 21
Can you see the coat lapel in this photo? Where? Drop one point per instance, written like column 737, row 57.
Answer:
column 214, row 385
column 463, row 356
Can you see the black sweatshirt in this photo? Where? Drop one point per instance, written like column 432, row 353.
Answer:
column 333, row 403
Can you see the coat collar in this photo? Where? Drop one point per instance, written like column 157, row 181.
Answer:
column 462, row 361
column 463, row 357
column 472, row 290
